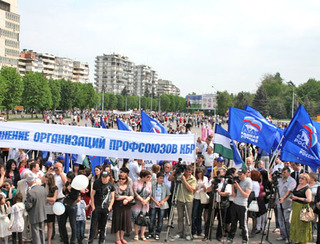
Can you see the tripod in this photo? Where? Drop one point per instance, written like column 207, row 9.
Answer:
column 269, row 215
column 177, row 188
column 215, row 205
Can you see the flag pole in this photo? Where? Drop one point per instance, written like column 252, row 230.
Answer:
column 275, row 154
column 214, row 145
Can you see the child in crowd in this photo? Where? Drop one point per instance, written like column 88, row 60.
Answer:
column 17, row 218
column 159, row 204
column 81, row 219
column 4, row 220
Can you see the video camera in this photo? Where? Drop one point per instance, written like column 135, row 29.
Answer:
column 180, row 168
column 232, row 179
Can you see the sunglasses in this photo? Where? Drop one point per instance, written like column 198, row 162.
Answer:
column 302, row 178
column 122, row 178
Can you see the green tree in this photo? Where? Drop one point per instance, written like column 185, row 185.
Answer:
column 165, row 102
column 55, row 88
column 120, row 102
column 260, row 101
column 67, row 95
column 91, row 95
column 224, row 100
column 242, row 99
column 13, row 88
column 3, row 88
column 36, row 93
column 113, row 102
column 278, row 110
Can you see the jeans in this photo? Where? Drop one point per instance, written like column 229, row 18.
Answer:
column 99, row 218
column 81, row 225
column 71, row 212
column 196, row 217
column 153, row 214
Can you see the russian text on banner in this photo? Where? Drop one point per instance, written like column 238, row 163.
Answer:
column 247, row 127
column 94, row 141
column 300, row 142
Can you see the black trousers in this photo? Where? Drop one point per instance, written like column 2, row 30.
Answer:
column 238, row 213
column 99, row 218
column 221, row 221
column 14, row 237
column 318, row 230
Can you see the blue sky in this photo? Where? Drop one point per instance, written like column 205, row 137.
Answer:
column 196, row 44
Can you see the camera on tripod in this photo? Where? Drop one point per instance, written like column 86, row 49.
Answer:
column 180, row 168
column 275, row 176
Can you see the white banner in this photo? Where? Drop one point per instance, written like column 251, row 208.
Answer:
column 97, row 141
column 121, row 112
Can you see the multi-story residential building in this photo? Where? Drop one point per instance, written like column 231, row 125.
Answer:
column 166, row 87
column 9, row 33
column 114, row 73
column 53, row 67
column 63, row 68
column 145, row 81
column 80, row 72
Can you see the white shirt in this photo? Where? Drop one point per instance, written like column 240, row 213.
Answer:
column 59, row 184
column 134, row 170
column 228, row 189
column 208, row 159
column 199, row 188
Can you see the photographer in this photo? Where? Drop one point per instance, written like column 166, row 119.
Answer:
column 286, row 184
column 221, row 187
column 185, row 199
column 241, row 192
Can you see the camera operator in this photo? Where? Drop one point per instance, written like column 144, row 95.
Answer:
column 241, row 192
column 185, row 198
column 221, row 187
column 286, row 184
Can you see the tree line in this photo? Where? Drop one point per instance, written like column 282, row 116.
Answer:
column 37, row 94
column 274, row 97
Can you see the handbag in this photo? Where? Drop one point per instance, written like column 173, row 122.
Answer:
column 306, row 214
column 129, row 204
column 142, row 219
column 204, row 197
column 254, row 207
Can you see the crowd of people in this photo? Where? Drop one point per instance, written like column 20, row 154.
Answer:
column 136, row 197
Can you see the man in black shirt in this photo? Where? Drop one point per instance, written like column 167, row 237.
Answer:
column 102, row 199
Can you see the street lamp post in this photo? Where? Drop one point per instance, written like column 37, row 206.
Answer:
column 215, row 108
column 290, row 83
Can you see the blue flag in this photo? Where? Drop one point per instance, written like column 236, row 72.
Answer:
column 102, row 124
column 151, row 125
column 247, row 127
column 95, row 160
column 66, row 163
column 74, row 157
column 123, row 126
column 279, row 131
column 301, row 142
column 44, row 154
column 225, row 146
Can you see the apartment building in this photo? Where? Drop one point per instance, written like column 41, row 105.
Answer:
column 114, row 73
column 53, row 67
column 166, row 87
column 80, row 72
column 9, row 33
column 146, row 80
